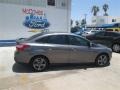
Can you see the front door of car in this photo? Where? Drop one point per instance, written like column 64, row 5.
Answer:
column 80, row 51
column 104, row 39
column 58, row 53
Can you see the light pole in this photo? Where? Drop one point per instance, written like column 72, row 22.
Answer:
column 85, row 20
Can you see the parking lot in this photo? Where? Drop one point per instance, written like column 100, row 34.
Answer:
column 63, row 77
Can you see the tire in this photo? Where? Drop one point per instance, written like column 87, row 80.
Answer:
column 39, row 63
column 116, row 47
column 102, row 60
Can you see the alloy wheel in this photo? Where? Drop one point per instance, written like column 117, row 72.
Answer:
column 116, row 48
column 39, row 64
column 102, row 60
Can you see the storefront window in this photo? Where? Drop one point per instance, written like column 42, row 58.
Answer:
column 51, row 2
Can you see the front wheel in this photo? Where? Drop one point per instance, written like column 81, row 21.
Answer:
column 116, row 48
column 102, row 60
column 39, row 63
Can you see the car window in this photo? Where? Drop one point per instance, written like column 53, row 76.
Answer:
column 58, row 39
column 109, row 34
column 43, row 40
column 74, row 40
column 54, row 39
column 100, row 34
column 112, row 34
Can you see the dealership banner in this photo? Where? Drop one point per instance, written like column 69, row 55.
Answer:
column 35, row 19
column 22, row 21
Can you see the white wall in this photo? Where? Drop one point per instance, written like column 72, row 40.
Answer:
column 100, row 20
column 12, row 18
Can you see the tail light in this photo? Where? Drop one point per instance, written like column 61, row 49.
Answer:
column 21, row 47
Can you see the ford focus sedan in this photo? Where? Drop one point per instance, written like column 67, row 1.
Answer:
column 41, row 50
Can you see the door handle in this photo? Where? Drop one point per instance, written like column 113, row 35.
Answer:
column 73, row 49
column 50, row 49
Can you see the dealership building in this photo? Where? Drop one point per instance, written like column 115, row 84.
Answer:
column 23, row 18
column 102, row 20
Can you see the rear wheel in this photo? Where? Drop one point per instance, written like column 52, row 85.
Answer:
column 116, row 48
column 102, row 60
column 39, row 63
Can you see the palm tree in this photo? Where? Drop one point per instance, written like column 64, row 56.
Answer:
column 95, row 10
column 83, row 22
column 105, row 8
column 77, row 23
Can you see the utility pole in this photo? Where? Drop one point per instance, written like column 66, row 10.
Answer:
column 85, row 19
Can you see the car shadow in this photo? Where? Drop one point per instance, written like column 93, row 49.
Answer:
column 21, row 68
column 18, row 68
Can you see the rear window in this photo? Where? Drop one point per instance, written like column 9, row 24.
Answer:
column 34, row 36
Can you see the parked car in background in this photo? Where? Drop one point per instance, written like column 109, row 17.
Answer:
column 110, row 39
column 77, row 30
column 80, row 32
column 90, row 32
column 43, row 49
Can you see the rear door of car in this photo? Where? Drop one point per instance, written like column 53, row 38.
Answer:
column 57, row 48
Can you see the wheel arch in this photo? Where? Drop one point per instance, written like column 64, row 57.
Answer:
column 114, row 44
column 40, row 55
column 103, row 53
column 116, row 41
column 105, row 64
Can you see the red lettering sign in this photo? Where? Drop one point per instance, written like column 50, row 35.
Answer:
column 32, row 11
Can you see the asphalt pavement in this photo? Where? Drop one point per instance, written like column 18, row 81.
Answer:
column 59, row 77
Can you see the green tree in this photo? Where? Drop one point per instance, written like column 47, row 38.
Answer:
column 95, row 10
column 83, row 22
column 105, row 8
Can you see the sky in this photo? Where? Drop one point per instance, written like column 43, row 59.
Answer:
column 82, row 7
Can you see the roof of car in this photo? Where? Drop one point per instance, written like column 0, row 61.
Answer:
column 50, row 33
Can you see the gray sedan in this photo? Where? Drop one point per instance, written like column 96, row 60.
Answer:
column 41, row 50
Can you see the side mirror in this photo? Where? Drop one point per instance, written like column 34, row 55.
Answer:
column 90, row 44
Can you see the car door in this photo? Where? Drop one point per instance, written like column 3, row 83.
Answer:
column 57, row 48
column 99, row 38
column 80, row 51
column 104, row 38
column 108, row 38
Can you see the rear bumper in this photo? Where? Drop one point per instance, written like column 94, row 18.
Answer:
column 22, row 57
